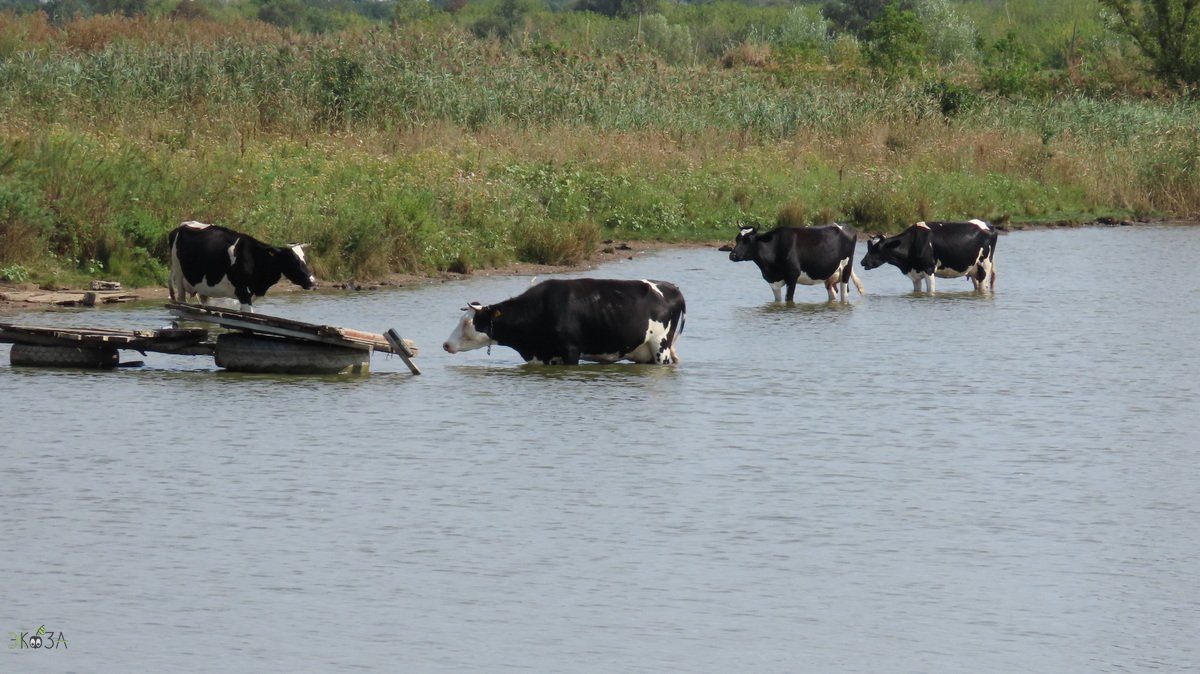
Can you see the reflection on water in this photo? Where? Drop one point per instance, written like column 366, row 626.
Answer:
column 961, row 482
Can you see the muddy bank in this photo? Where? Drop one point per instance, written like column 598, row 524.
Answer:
column 15, row 298
column 26, row 297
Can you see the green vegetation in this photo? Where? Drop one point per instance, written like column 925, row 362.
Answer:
column 420, row 140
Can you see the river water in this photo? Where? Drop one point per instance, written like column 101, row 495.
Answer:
column 958, row 483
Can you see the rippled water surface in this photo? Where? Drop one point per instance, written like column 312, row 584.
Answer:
column 957, row 483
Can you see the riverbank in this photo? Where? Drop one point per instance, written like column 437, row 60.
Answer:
column 15, row 298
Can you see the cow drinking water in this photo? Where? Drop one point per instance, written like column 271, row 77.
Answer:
column 564, row 321
column 928, row 250
column 212, row 261
column 808, row 255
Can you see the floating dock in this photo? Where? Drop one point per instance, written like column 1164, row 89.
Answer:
column 252, row 343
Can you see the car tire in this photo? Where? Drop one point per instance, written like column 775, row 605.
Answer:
column 40, row 355
column 239, row 352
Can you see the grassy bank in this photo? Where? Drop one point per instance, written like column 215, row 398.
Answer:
column 418, row 150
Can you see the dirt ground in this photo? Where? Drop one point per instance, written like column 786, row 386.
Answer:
column 27, row 297
column 21, row 298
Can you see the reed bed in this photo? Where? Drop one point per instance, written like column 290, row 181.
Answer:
column 413, row 150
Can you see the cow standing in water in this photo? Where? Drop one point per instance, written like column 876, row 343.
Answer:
column 928, row 250
column 564, row 321
column 808, row 255
column 212, row 261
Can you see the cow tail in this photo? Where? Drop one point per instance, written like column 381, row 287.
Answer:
column 171, row 276
column 858, row 284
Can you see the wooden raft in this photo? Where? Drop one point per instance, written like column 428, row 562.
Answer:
column 308, row 332
column 187, row 341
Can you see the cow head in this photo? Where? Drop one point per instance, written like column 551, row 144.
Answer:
column 473, row 330
column 294, row 265
column 877, row 247
column 746, row 245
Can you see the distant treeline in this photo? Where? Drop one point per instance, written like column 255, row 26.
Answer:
column 428, row 138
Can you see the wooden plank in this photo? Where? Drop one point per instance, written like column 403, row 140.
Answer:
column 285, row 327
column 165, row 341
column 401, row 348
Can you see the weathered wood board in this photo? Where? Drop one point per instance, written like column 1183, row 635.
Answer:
column 286, row 327
column 188, row 341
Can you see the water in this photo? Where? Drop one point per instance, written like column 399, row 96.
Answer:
column 901, row 484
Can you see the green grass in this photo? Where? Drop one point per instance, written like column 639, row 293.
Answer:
column 421, row 151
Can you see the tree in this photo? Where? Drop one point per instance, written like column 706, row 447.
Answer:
column 617, row 8
column 1167, row 32
column 895, row 39
column 854, row 16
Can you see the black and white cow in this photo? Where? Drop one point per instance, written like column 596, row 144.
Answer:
column 212, row 261
column 564, row 321
column 808, row 255
column 928, row 250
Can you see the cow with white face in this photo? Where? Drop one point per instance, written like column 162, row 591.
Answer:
column 212, row 261
column 930, row 250
column 807, row 255
column 565, row 321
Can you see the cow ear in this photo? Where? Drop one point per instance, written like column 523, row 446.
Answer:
column 474, row 306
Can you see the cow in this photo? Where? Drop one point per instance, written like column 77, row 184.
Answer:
column 564, row 321
column 928, row 250
column 212, row 261
column 808, row 255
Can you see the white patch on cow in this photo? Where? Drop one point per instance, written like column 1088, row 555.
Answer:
column 922, row 225
column 947, row 272
column 223, row 289
column 746, row 230
column 777, row 288
column 843, row 290
column 917, row 277
column 654, row 287
column 980, row 224
column 180, row 288
column 298, row 249
column 651, row 350
column 601, row 357
column 465, row 337
column 192, row 224
column 233, row 253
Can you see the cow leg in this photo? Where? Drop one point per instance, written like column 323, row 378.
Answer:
column 916, row 284
column 776, row 289
column 245, row 297
column 988, row 282
column 930, row 282
column 791, row 290
column 203, row 299
column 829, row 288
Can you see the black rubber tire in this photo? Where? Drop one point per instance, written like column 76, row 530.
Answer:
column 255, row 353
column 37, row 355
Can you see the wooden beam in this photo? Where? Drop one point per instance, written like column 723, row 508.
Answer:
column 401, row 348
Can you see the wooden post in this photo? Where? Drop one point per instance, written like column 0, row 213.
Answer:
column 401, row 348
